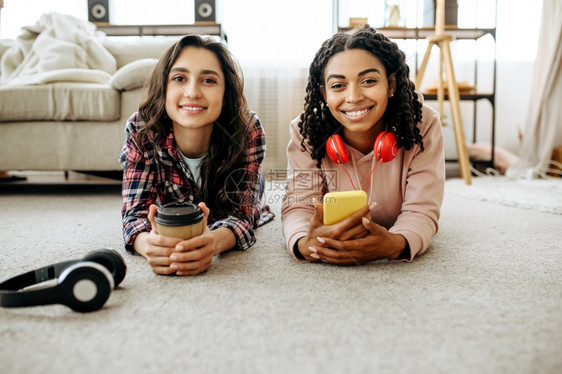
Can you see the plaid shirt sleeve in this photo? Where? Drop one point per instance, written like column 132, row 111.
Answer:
column 251, row 209
column 138, row 185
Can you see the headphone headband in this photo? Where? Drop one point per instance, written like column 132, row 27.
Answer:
column 36, row 276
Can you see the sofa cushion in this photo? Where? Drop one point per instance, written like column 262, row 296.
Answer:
column 65, row 101
column 4, row 45
column 133, row 75
column 61, row 75
column 126, row 51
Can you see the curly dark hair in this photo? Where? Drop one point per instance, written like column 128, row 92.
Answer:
column 404, row 110
column 227, row 153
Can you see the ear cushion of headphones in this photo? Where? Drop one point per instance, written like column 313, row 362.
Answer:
column 386, row 146
column 83, row 287
column 335, row 149
column 112, row 262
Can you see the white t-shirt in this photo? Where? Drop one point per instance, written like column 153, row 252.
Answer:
column 194, row 166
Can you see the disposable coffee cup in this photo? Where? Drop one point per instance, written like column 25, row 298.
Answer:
column 179, row 220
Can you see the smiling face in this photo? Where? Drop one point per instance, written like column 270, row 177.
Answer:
column 195, row 90
column 356, row 90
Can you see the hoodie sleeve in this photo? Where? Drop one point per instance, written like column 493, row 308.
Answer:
column 304, row 183
column 424, row 187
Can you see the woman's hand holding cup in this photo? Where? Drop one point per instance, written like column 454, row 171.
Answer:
column 195, row 255
column 180, row 242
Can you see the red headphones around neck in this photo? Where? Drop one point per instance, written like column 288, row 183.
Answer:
column 385, row 149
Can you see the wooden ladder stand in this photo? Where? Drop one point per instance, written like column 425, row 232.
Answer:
column 442, row 40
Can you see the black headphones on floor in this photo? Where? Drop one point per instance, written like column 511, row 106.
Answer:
column 83, row 285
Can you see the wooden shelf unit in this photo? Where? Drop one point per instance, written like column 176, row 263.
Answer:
column 212, row 29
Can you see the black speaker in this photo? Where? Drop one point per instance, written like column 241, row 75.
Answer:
column 205, row 11
column 100, row 11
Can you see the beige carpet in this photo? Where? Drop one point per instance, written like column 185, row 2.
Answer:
column 486, row 298
column 534, row 194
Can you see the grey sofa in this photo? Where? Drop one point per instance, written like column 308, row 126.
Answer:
column 69, row 125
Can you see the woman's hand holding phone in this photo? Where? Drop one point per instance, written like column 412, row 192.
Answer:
column 347, row 229
column 378, row 244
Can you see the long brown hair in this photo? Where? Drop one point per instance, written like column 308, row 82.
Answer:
column 229, row 140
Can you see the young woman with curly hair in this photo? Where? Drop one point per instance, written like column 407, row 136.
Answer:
column 193, row 140
column 360, row 90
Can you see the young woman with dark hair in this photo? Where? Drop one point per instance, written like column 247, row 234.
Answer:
column 360, row 102
column 193, row 140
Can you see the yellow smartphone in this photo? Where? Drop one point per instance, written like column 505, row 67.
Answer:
column 341, row 204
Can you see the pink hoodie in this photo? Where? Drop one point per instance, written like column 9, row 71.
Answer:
column 408, row 190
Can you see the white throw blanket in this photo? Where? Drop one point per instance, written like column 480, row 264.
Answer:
column 58, row 47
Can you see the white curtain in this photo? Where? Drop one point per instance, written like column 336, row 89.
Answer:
column 543, row 127
column 276, row 93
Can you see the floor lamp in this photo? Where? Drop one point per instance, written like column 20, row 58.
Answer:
column 442, row 40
